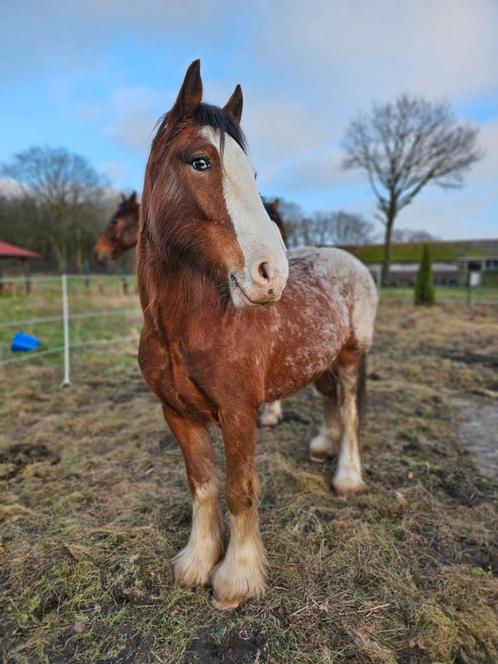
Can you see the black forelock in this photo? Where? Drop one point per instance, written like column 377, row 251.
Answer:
column 222, row 121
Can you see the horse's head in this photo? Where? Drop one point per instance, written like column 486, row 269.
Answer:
column 201, row 206
column 120, row 233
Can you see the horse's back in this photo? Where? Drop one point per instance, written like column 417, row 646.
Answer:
column 344, row 279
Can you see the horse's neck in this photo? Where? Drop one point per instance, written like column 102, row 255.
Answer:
column 179, row 297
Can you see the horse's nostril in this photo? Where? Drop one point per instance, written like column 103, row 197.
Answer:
column 264, row 271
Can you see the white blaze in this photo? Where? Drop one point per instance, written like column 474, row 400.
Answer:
column 258, row 237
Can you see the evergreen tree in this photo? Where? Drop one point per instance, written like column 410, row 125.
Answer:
column 424, row 289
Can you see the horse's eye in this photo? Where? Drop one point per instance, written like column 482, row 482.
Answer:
column 114, row 222
column 201, row 164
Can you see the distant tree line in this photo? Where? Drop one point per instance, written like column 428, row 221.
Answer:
column 57, row 205
column 321, row 228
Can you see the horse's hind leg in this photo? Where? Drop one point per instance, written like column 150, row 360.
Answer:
column 271, row 414
column 194, row 563
column 327, row 441
column 351, row 368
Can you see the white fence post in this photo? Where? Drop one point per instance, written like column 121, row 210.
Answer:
column 65, row 319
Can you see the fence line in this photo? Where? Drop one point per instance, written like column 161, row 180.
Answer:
column 65, row 324
column 57, row 279
column 64, row 294
column 55, row 319
column 59, row 349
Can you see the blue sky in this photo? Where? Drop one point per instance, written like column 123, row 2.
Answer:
column 95, row 76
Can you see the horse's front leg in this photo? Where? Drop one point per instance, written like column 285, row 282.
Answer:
column 194, row 563
column 242, row 572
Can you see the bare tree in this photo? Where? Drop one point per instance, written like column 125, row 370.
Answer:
column 324, row 228
column 68, row 193
column 341, row 228
column 404, row 146
column 292, row 215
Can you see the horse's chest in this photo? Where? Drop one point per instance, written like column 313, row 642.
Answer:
column 180, row 385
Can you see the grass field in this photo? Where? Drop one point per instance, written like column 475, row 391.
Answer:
column 95, row 504
column 100, row 308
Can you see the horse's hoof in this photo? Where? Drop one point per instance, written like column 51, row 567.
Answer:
column 321, row 448
column 191, row 571
column 348, row 487
column 317, row 458
column 225, row 606
column 269, row 420
column 233, row 584
column 270, row 414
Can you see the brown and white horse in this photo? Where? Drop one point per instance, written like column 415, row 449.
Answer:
column 230, row 322
column 121, row 234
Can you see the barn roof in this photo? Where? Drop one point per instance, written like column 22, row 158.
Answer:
column 12, row 251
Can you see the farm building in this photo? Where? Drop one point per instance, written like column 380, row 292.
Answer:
column 454, row 262
column 13, row 253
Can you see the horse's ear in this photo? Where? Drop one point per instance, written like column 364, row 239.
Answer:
column 190, row 95
column 275, row 204
column 123, row 198
column 133, row 198
column 235, row 103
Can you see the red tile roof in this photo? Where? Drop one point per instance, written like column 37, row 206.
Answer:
column 11, row 251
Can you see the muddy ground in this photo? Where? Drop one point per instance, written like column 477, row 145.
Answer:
column 94, row 504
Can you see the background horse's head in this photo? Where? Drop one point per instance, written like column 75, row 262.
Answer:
column 273, row 209
column 120, row 233
column 201, row 206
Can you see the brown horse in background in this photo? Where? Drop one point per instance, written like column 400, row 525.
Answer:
column 121, row 233
column 230, row 322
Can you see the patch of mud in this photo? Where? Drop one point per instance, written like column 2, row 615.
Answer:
column 69, row 648
column 128, row 582
column 468, row 357
column 479, row 433
column 123, row 396
column 17, row 456
column 233, row 649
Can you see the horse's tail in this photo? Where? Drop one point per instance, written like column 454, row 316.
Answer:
column 361, row 390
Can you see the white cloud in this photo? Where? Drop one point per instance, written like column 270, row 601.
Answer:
column 366, row 50
column 10, row 188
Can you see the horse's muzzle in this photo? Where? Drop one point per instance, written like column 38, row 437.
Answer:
column 247, row 292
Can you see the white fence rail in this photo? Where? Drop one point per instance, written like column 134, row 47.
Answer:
column 67, row 313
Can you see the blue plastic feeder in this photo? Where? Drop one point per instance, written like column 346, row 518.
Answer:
column 21, row 343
